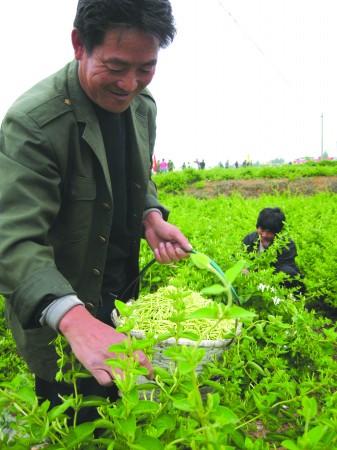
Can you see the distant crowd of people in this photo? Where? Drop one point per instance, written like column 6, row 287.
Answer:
column 236, row 164
column 163, row 166
column 168, row 166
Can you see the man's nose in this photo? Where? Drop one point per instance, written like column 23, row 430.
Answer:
column 128, row 83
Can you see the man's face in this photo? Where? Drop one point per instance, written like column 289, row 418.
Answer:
column 266, row 236
column 118, row 69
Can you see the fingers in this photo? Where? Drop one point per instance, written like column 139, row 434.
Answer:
column 144, row 362
column 182, row 252
column 165, row 253
column 168, row 252
column 106, row 376
column 103, row 377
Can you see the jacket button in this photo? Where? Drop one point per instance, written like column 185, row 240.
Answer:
column 101, row 239
column 96, row 272
column 106, row 206
column 89, row 306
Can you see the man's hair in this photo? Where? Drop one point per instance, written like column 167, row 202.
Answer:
column 271, row 219
column 95, row 17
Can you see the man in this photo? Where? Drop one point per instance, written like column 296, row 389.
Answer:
column 76, row 194
column 269, row 223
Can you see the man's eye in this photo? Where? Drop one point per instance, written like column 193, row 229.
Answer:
column 109, row 69
column 147, row 69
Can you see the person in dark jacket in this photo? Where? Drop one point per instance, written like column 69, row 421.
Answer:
column 269, row 223
column 76, row 194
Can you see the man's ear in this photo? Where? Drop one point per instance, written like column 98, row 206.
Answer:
column 77, row 45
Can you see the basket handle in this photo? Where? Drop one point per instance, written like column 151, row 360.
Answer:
column 213, row 264
column 219, row 270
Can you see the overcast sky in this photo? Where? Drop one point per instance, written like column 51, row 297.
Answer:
column 243, row 78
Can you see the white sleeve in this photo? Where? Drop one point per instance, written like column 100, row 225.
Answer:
column 54, row 312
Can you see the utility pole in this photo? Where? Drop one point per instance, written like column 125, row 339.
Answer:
column 322, row 136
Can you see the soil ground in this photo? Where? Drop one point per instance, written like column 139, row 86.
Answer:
column 255, row 187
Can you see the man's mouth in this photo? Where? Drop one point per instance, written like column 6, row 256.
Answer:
column 120, row 94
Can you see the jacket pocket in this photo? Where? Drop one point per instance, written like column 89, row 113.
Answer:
column 76, row 213
column 82, row 189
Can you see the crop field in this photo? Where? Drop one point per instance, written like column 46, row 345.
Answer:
column 274, row 387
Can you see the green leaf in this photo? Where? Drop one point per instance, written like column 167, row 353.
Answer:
column 256, row 367
column 215, row 289
column 203, row 313
column 186, row 367
column 118, row 348
column 79, row 434
column 161, row 372
column 141, row 344
column 201, row 261
column 234, row 271
column 26, row 394
column 127, row 326
column 315, row 435
column 103, row 423
column 309, row 408
column 163, row 336
column 190, row 335
column 215, row 385
column 57, row 411
column 146, row 407
column 166, row 421
column 123, row 308
column 37, row 431
column 174, row 352
column 147, row 386
column 127, row 426
column 148, row 442
column 184, row 405
column 131, row 397
column 93, row 400
column 224, row 415
column 235, row 312
column 290, row 445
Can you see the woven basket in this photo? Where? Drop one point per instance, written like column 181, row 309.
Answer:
column 214, row 351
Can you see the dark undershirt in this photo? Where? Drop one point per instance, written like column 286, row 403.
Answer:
column 113, row 128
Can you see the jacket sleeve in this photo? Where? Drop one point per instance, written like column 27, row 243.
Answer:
column 151, row 200
column 29, row 203
column 286, row 260
column 250, row 242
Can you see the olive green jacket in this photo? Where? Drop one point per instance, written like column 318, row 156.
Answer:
column 56, row 204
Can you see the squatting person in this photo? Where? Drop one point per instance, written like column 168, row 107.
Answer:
column 269, row 223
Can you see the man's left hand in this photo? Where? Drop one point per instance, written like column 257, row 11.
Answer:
column 166, row 240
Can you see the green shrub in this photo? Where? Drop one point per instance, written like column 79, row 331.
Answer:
column 276, row 386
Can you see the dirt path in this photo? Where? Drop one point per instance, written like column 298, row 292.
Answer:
column 256, row 187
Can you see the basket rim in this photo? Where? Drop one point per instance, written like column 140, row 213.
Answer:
column 140, row 334
column 184, row 341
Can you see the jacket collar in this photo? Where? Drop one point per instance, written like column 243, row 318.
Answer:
column 137, row 133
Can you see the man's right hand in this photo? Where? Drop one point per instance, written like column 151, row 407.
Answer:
column 89, row 339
